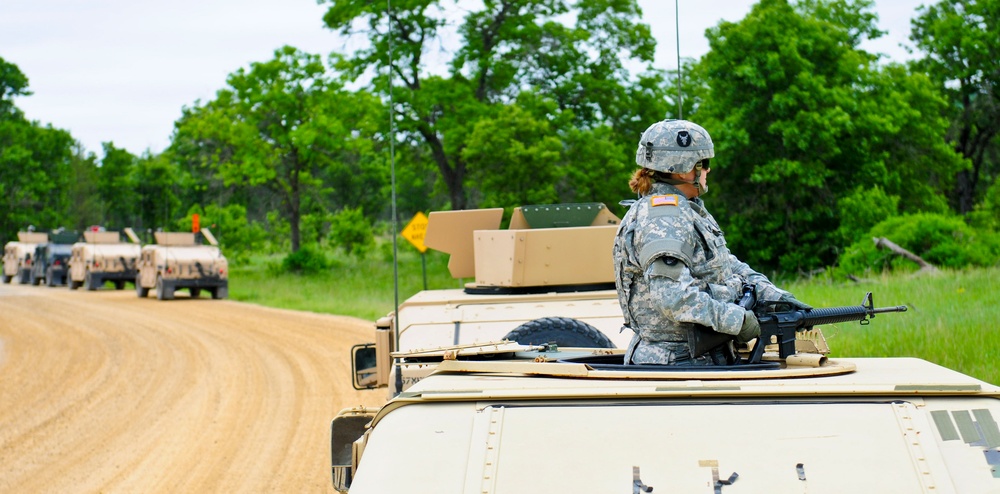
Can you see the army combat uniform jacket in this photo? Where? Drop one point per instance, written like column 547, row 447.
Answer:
column 674, row 273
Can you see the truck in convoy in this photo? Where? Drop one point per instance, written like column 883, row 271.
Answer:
column 102, row 257
column 17, row 256
column 51, row 260
column 179, row 260
column 504, row 417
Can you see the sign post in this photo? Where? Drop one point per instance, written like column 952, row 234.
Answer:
column 414, row 232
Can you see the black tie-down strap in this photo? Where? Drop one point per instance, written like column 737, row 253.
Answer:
column 717, row 482
column 637, row 486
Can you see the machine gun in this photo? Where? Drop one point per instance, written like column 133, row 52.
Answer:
column 779, row 322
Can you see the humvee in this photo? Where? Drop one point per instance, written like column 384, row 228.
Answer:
column 504, row 417
column 179, row 260
column 17, row 256
column 51, row 261
column 103, row 257
column 547, row 278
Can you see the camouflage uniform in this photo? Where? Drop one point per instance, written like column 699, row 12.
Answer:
column 672, row 267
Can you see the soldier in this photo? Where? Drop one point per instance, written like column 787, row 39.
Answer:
column 676, row 278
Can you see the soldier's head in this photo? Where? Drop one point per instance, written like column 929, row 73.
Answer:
column 670, row 148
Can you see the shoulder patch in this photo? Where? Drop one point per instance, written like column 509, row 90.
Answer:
column 664, row 200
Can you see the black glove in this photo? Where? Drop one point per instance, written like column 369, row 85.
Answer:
column 797, row 304
column 750, row 329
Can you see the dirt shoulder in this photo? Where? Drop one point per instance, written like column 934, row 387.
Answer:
column 106, row 392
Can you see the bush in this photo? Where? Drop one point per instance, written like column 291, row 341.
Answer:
column 238, row 237
column 861, row 210
column 945, row 241
column 350, row 230
column 307, row 260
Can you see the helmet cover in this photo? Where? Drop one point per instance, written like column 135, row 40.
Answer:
column 674, row 146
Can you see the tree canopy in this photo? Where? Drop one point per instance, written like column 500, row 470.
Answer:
column 574, row 57
column 961, row 40
column 802, row 118
column 288, row 126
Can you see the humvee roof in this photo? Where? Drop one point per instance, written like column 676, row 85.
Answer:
column 869, row 425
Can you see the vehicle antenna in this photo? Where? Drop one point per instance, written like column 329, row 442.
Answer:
column 677, row 29
column 392, row 174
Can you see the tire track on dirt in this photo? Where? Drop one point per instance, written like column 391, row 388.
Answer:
column 106, row 392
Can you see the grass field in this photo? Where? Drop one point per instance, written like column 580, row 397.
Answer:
column 952, row 316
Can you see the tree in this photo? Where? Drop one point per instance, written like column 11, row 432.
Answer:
column 507, row 47
column 961, row 39
column 35, row 163
column 13, row 83
column 116, row 186
column 284, row 124
column 157, row 190
column 802, row 117
column 85, row 205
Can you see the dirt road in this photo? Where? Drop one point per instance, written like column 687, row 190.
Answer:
column 105, row 392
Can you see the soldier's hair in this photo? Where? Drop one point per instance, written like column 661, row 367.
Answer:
column 642, row 181
column 643, row 178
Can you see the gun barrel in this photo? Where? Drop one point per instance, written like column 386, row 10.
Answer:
column 898, row 308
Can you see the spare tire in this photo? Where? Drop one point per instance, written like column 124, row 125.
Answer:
column 563, row 331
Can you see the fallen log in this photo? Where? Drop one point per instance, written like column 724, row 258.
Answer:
column 884, row 243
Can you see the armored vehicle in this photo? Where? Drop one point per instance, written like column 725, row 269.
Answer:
column 51, row 260
column 17, row 256
column 556, row 421
column 510, row 418
column 547, row 278
column 179, row 260
column 104, row 257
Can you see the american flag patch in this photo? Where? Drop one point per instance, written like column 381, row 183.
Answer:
column 667, row 200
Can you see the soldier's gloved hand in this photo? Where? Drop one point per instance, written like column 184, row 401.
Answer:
column 790, row 299
column 750, row 329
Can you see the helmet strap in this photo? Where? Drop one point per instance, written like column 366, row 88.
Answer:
column 659, row 177
column 697, row 180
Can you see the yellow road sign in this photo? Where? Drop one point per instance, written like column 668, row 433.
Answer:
column 415, row 231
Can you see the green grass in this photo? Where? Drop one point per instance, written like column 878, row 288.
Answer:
column 353, row 287
column 951, row 321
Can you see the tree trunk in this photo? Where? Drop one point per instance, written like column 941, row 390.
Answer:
column 454, row 177
column 294, row 202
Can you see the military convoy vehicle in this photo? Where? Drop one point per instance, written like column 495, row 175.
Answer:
column 547, row 278
column 104, row 257
column 17, row 256
column 178, row 260
column 504, row 417
column 540, row 420
column 51, row 260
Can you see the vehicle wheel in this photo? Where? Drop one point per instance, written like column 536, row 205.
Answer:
column 140, row 290
column 88, row 281
column 119, row 284
column 6, row 279
column 220, row 292
column 25, row 277
column 162, row 292
column 35, row 280
column 195, row 292
column 562, row 331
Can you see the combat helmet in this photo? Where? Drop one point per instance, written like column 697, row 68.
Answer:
column 674, row 146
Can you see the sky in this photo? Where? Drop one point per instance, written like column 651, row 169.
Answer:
column 123, row 70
